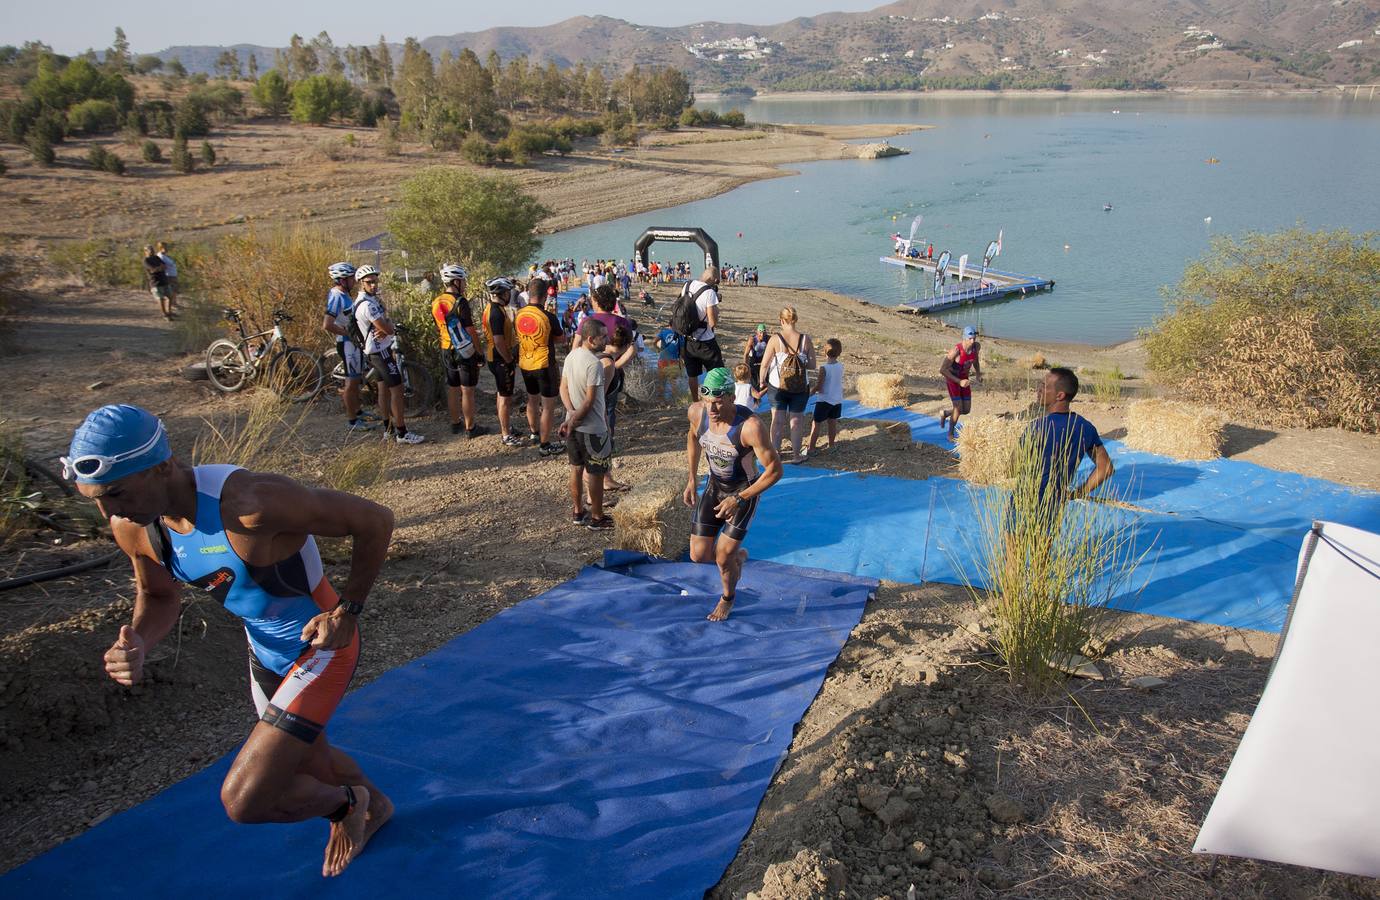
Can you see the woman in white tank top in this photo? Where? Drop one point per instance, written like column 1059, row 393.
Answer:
column 786, row 405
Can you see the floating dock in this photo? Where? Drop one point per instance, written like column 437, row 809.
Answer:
column 1000, row 286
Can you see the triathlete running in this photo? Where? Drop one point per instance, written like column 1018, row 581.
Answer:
column 960, row 366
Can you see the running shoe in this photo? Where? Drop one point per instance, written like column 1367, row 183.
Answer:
column 533, row 439
column 551, row 449
column 456, row 428
column 371, row 416
column 476, row 431
column 357, row 425
column 512, row 440
column 579, row 518
column 603, row 523
column 411, row 437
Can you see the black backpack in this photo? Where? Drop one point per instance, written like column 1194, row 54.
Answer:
column 685, row 316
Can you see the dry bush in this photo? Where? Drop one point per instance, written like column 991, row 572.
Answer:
column 986, row 446
column 1171, row 429
column 1033, row 361
column 881, row 391
column 652, row 518
column 1291, row 369
column 258, row 272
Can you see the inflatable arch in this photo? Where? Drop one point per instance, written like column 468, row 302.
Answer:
column 681, row 235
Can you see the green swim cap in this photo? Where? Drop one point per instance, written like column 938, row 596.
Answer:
column 717, row 383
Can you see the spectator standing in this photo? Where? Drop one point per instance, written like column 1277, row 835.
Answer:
column 500, row 349
column 459, row 348
column 157, row 274
column 169, row 269
column 537, row 332
column 588, row 445
column 380, row 337
column 753, row 352
column 339, row 321
column 790, row 356
column 701, row 351
column 829, row 387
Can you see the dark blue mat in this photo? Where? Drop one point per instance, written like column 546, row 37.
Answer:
column 601, row 739
column 1236, row 571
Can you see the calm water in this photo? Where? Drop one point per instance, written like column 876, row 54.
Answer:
column 1041, row 169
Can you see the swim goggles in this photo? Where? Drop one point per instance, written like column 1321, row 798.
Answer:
column 94, row 465
column 706, row 391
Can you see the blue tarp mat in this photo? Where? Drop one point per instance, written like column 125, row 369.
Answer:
column 1238, row 571
column 601, row 739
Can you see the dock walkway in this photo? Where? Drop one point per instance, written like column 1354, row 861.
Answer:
column 1001, row 285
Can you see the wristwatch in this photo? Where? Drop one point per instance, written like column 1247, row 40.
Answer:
column 350, row 607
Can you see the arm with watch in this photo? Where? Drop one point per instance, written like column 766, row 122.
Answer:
column 277, row 513
column 754, row 435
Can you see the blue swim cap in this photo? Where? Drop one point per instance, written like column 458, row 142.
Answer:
column 970, row 331
column 127, row 438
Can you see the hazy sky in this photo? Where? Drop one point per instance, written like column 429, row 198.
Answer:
column 74, row 25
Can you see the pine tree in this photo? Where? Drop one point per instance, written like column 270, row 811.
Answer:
column 182, row 161
column 117, row 58
column 208, row 154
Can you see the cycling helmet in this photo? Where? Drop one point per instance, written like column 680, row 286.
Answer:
column 500, row 285
column 364, row 272
column 340, row 270
column 453, row 272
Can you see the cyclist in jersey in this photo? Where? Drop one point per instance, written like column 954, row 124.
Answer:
column 459, row 348
column 246, row 539
column 538, row 330
column 500, row 349
column 959, row 368
column 734, row 441
column 380, row 336
column 339, row 321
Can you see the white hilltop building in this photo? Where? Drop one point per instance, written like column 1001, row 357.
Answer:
column 750, row 47
column 1355, row 43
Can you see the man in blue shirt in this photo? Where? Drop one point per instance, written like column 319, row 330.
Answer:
column 1065, row 438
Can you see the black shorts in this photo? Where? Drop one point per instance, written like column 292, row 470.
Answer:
column 460, row 372
column 589, row 451
column 542, row 382
column 386, row 365
column 827, row 411
column 505, row 376
column 705, row 524
column 701, row 356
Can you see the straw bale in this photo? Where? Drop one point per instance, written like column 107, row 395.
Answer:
column 1174, row 429
column 986, row 445
column 881, row 391
column 652, row 517
column 1034, row 361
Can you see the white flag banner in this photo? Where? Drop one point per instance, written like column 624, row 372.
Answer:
column 962, row 266
column 1304, row 786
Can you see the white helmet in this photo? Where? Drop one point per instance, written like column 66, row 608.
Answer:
column 453, row 272
column 364, row 272
column 341, row 270
column 500, row 285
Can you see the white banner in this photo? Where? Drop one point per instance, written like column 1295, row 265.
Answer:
column 1304, row 786
column 962, row 266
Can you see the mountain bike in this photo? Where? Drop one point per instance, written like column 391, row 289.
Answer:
column 419, row 391
column 291, row 372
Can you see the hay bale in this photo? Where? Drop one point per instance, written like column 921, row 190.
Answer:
column 652, row 517
column 1034, row 361
column 1174, row 430
column 986, row 445
column 881, row 391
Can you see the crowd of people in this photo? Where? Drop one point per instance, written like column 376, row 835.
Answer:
column 248, row 539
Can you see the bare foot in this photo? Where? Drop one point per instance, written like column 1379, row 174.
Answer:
column 347, row 836
column 721, row 610
column 380, row 811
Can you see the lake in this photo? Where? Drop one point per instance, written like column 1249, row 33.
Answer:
column 1040, row 169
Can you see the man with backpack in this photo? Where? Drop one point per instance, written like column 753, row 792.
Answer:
column 694, row 317
column 459, row 348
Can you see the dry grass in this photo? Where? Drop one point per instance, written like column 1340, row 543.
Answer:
column 986, row 445
column 1174, row 430
column 652, row 518
column 881, row 391
column 1034, row 361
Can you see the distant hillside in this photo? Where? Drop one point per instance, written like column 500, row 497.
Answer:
column 964, row 43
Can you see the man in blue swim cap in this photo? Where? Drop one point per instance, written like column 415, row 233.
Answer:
column 247, row 539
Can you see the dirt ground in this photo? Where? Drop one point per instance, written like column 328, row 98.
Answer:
column 916, row 764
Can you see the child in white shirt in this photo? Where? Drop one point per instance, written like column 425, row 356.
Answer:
column 829, row 387
column 743, row 392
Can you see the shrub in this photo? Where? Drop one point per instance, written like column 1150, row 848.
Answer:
column 103, row 159
column 157, row 117
column 182, row 161
column 151, row 152
column 318, row 98
column 100, row 262
column 42, row 149
column 479, row 219
column 189, row 118
column 273, row 93
column 93, row 117
column 208, row 154
column 1047, row 569
column 478, row 151
column 259, row 272
column 1287, row 324
column 734, row 118
column 389, row 143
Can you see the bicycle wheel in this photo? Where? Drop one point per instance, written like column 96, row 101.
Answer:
column 226, row 366
column 333, row 371
column 418, row 392
column 295, row 375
